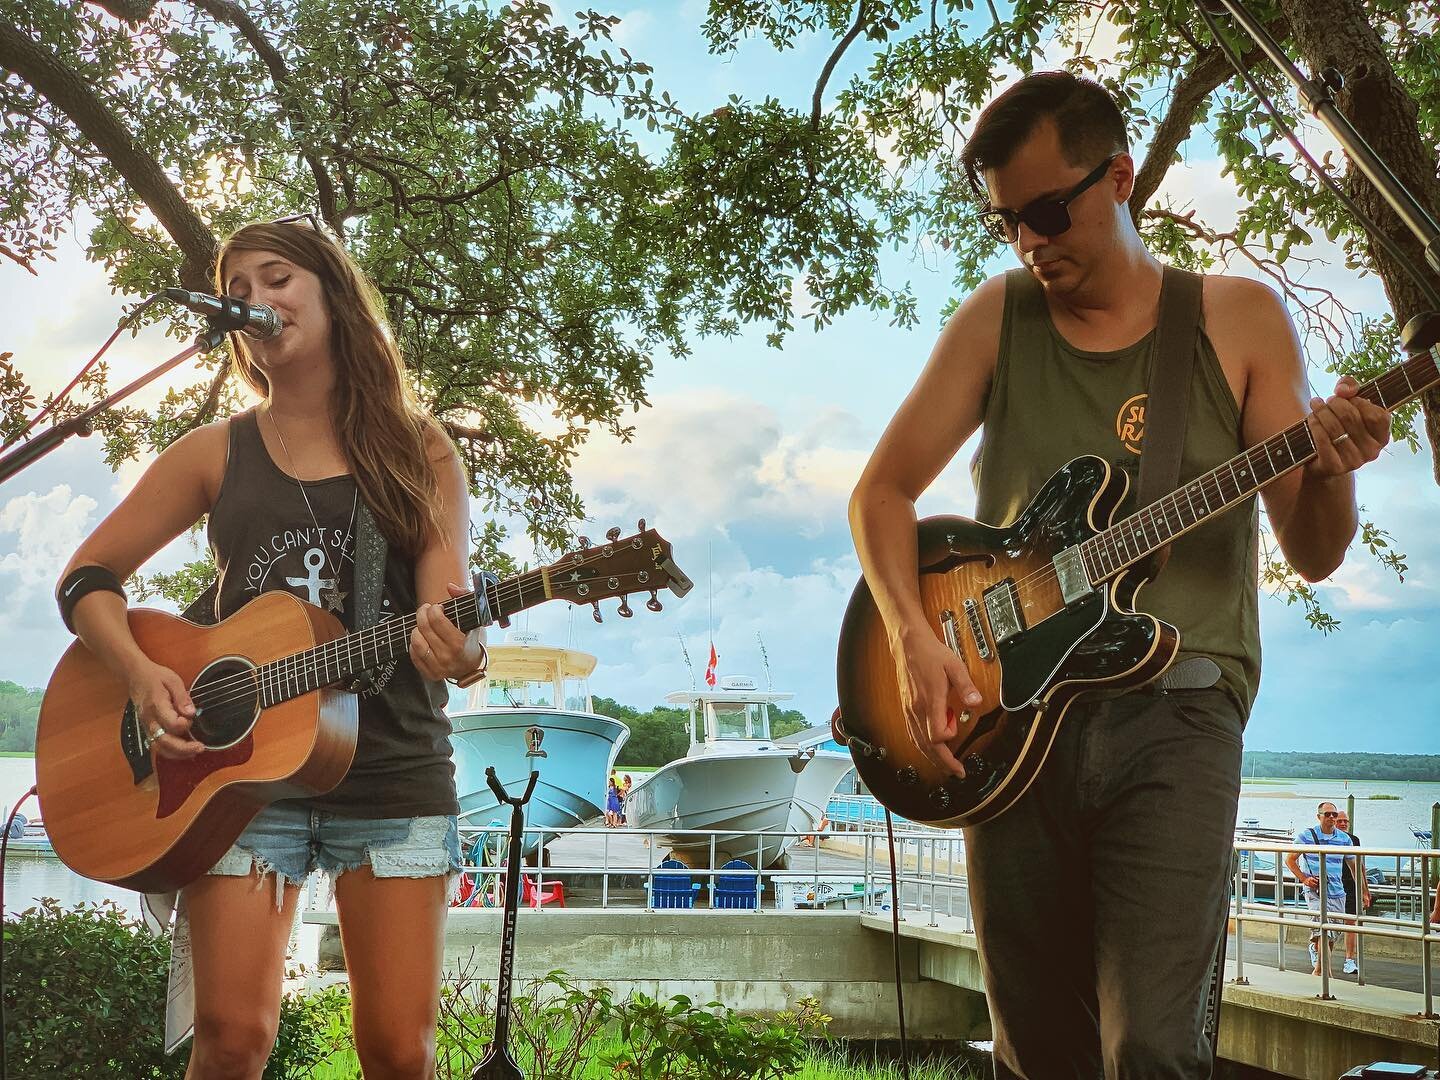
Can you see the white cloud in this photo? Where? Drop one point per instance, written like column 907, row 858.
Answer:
column 48, row 529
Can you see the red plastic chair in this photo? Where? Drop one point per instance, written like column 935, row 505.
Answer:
column 547, row 892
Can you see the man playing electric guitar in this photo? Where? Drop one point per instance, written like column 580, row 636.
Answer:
column 1099, row 894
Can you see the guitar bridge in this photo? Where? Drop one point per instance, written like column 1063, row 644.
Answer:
column 977, row 629
column 134, row 746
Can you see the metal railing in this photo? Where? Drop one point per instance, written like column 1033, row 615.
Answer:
column 930, row 873
column 1409, row 890
column 870, row 875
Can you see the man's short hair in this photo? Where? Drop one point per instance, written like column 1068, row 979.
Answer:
column 1324, row 803
column 1088, row 120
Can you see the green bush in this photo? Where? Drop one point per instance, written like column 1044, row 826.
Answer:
column 677, row 1040
column 85, row 996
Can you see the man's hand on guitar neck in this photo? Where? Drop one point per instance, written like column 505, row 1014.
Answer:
column 1348, row 431
column 163, row 705
column 931, row 677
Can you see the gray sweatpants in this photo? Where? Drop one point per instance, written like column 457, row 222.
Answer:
column 1100, row 894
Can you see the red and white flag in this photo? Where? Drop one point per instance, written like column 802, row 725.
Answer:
column 710, row 667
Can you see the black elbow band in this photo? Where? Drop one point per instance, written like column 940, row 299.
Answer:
column 80, row 582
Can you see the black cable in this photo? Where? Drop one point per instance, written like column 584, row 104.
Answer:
column 58, row 398
column 4, row 846
column 895, row 925
column 1371, row 226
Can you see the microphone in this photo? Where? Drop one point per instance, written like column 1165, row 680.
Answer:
column 230, row 313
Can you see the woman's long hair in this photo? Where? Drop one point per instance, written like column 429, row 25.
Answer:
column 381, row 427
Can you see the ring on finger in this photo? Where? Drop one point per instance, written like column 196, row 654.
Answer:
column 156, row 732
column 1338, row 439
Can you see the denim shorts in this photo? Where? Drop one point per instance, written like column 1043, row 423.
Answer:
column 291, row 839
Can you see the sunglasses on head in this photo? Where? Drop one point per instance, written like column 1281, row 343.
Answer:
column 1045, row 217
column 299, row 219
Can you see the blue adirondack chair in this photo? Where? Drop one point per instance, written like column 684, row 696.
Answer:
column 736, row 890
column 672, row 890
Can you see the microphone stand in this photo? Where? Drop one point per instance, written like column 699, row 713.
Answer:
column 33, row 449
column 1422, row 331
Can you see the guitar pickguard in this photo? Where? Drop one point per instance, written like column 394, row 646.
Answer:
column 1030, row 660
column 179, row 777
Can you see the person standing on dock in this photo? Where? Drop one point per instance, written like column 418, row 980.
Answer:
column 1357, row 893
column 1075, row 887
column 1318, row 882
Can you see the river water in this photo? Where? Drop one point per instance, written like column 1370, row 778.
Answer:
column 1288, row 804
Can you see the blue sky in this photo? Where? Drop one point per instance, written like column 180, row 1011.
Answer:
column 745, row 463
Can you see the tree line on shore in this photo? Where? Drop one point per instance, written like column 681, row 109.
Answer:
column 659, row 735
column 1305, row 765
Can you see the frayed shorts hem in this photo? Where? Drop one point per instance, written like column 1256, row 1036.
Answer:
column 292, row 840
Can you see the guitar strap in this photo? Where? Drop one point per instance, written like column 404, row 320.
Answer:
column 370, row 553
column 1167, row 402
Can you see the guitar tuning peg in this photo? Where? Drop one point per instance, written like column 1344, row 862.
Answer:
column 596, row 612
column 613, row 534
column 642, row 524
column 654, row 602
column 583, row 541
column 624, row 608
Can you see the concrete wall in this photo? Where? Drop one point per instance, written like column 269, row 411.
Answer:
column 755, row 962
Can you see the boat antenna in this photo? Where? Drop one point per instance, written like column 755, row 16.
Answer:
column 686, row 653
column 765, row 659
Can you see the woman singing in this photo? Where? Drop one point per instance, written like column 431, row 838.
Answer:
column 336, row 427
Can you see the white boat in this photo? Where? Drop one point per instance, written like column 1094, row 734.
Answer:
column 737, row 779
column 528, row 688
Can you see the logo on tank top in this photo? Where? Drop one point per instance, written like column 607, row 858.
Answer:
column 304, row 561
column 1130, row 423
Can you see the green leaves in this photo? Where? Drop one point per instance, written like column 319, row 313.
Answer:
column 485, row 166
column 85, row 996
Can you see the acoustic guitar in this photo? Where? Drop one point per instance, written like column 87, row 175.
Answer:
column 272, row 715
column 1041, row 612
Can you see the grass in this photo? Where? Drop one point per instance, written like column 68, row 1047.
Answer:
column 823, row 1064
column 1395, row 798
column 17, row 753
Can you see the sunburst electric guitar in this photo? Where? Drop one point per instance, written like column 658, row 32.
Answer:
column 1041, row 612
column 271, row 715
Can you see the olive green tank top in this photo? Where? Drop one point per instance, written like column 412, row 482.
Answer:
column 1050, row 402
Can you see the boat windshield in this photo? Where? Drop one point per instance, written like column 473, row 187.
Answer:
column 739, row 719
column 577, row 695
column 517, row 693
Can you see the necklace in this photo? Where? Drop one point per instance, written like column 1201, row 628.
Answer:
column 335, row 600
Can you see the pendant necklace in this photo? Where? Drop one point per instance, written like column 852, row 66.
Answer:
column 335, row 600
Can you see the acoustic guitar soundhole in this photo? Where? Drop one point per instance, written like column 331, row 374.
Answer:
column 228, row 696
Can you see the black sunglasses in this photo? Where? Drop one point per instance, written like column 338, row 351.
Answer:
column 1046, row 217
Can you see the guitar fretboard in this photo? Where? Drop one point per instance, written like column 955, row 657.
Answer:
column 1147, row 530
column 335, row 661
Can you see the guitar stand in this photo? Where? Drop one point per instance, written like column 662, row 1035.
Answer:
column 498, row 1064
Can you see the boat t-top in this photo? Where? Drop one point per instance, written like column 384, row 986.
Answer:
column 737, row 779
column 533, row 710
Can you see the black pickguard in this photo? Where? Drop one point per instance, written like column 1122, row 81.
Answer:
column 1090, row 640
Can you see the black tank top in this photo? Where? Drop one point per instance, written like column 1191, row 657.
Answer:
column 262, row 537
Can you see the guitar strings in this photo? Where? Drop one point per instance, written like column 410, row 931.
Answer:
column 1211, row 482
column 1395, row 384
column 389, row 632
column 393, row 632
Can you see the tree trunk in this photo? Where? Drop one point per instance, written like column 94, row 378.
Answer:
column 65, row 90
column 1336, row 33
